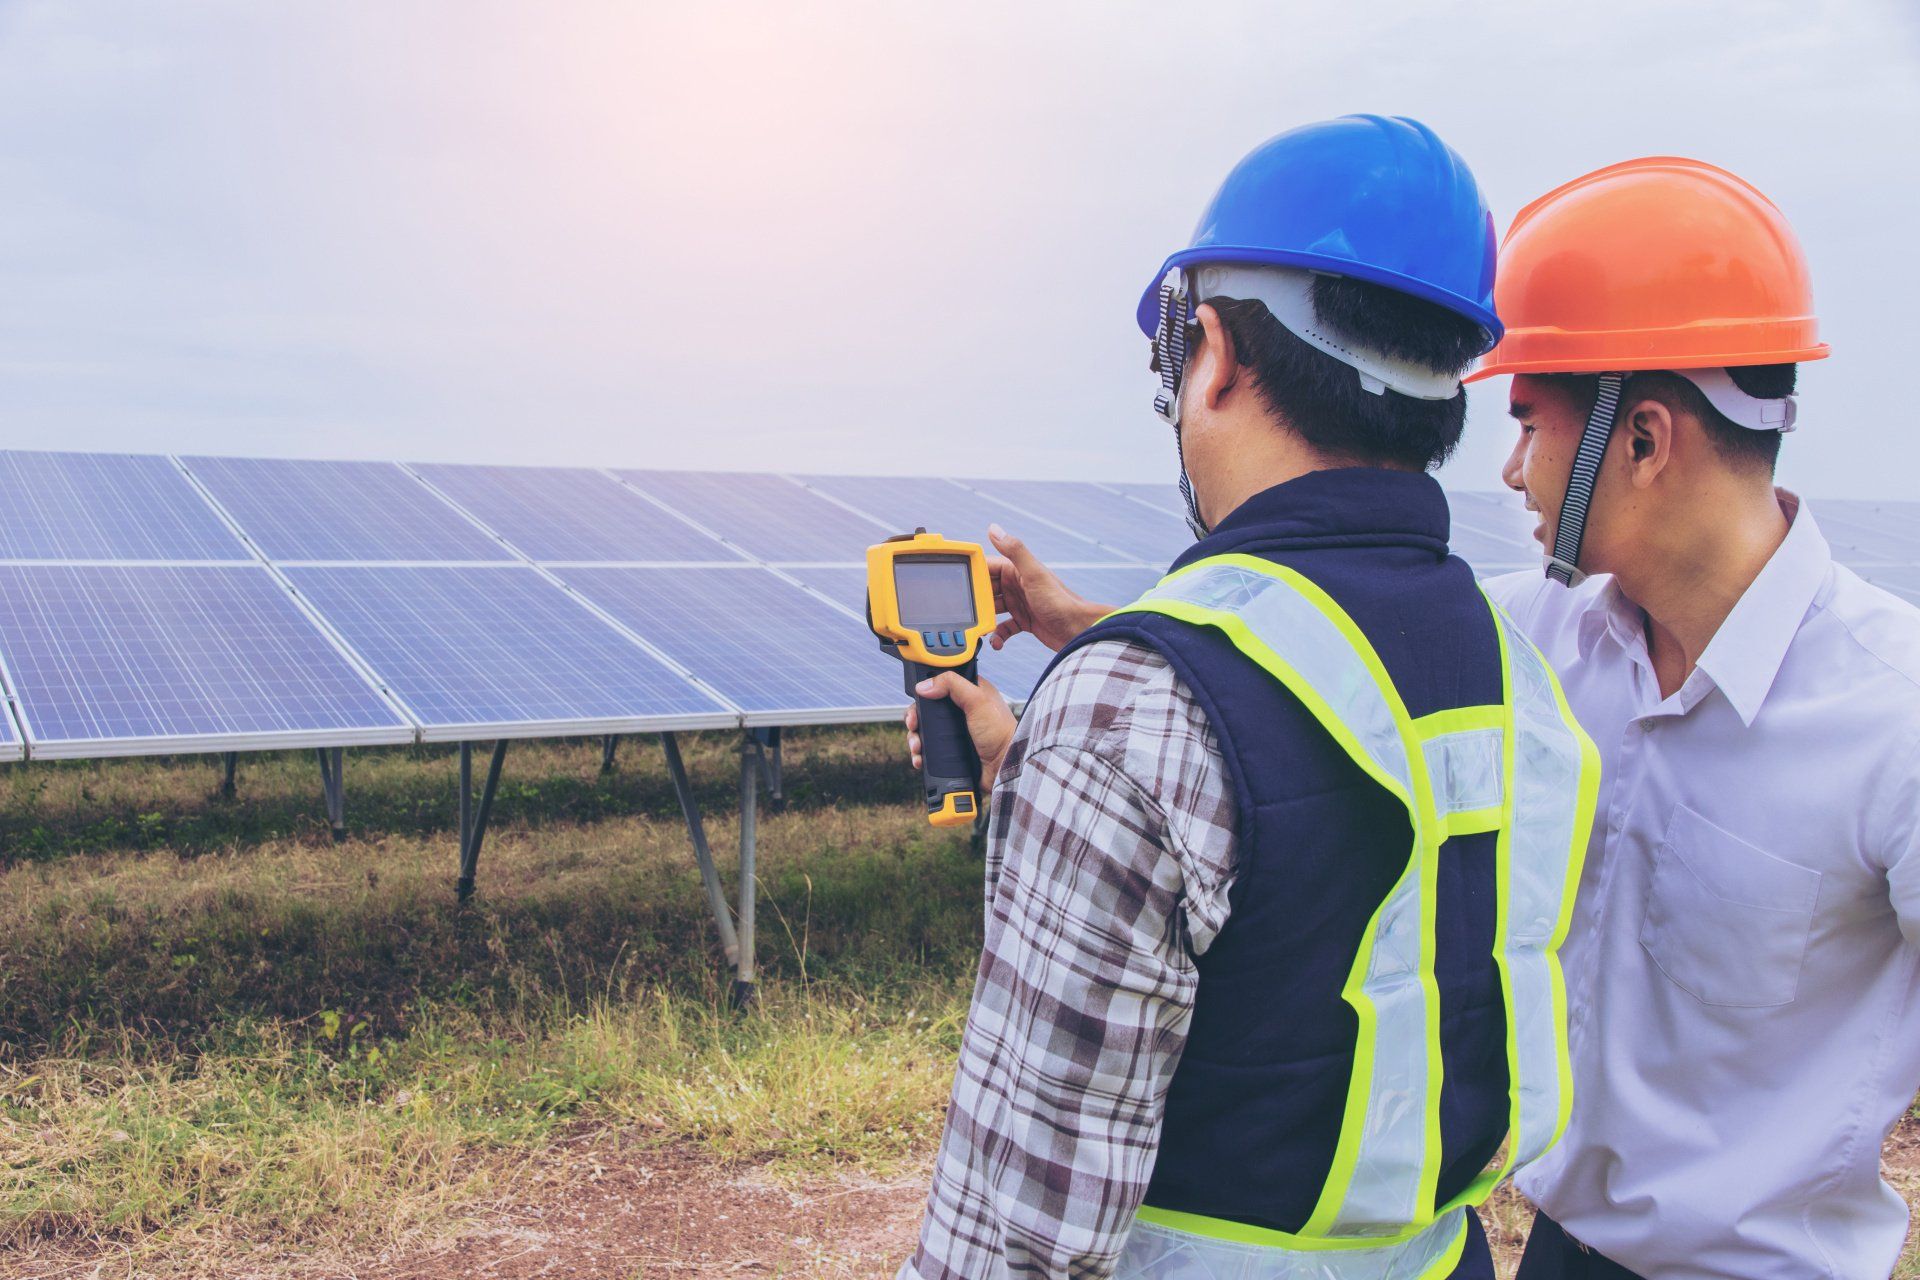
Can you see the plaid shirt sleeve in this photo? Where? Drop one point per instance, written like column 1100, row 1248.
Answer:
column 1109, row 860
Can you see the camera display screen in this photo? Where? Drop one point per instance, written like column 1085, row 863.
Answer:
column 935, row 593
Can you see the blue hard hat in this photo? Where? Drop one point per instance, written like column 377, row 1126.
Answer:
column 1378, row 198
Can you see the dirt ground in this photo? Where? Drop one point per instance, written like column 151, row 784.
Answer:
column 655, row 1215
column 612, row 1211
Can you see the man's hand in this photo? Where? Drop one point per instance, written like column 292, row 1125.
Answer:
column 989, row 722
column 1033, row 598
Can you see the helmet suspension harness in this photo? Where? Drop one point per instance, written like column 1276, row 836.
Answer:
column 1752, row 412
column 1563, row 560
column 1170, row 355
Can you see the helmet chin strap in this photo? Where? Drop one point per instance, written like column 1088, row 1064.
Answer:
column 1170, row 353
column 1563, row 559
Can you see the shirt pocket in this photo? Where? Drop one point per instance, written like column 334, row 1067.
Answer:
column 1726, row 921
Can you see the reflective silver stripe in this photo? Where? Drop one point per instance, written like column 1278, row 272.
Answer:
column 1466, row 770
column 1547, row 787
column 1324, row 668
column 1154, row 1252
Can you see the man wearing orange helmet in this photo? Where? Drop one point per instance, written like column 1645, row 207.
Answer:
column 1746, row 942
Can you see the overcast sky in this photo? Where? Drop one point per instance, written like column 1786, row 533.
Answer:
column 883, row 237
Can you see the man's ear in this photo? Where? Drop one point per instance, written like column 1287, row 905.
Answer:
column 1214, row 366
column 1644, row 441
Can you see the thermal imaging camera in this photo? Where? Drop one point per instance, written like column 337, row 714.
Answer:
column 930, row 601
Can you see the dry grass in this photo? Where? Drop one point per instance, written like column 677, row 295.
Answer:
column 229, row 1047
column 280, row 1039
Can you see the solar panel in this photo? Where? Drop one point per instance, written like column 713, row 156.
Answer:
column 501, row 652
column 1013, row 669
column 300, row 510
column 769, row 516
column 956, row 512
column 766, row 645
column 136, row 659
column 106, row 506
column 1860, row 539
column 1903, row 581
column 1135, row 531
column 572, row 513
column 1164, row 496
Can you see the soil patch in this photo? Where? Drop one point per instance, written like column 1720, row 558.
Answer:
column 659, row 1213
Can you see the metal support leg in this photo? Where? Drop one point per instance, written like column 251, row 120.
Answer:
column 473, row 819
column 466, row 796
column 776, row 797
column 229, row 766
column 697, row 833
column 333, row 786
column 752, row 764
column 606, row 752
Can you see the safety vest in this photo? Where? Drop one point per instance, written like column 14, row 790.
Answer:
column 1523, row 769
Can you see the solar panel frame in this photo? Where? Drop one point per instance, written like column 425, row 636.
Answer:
column 390, row 654
column 36, row 693
column 572, row 515
column 295, row 510
column 13, row 743
column 57, row 507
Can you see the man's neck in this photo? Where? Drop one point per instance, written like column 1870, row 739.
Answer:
column 1693, row 574
column 1273, row 458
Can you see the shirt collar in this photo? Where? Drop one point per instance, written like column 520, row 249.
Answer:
column 1342, row 506
column 1745, row 654
column 1609, row 613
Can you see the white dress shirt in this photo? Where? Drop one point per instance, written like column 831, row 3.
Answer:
column 1742, row 961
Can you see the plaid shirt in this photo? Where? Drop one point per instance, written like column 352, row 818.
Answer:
column 1111, row 852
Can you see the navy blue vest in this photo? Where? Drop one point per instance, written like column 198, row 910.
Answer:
column 1254, row 1108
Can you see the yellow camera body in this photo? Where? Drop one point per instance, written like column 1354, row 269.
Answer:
column 930, row 600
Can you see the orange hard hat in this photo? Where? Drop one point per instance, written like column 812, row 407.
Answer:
column 1660, row 263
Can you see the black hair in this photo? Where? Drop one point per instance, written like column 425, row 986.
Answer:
column 1321, row 399
column 1741, row 447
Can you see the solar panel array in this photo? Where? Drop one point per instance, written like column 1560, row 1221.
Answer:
column 155, row 604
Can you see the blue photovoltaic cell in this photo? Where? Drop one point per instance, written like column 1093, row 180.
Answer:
column 763, row 643
column 494, row 646
column 1143, row 533
column 771, row 517
column 955, row 512
column 301, row 510
column 1013, row 669
column 117, row 652
column 571, row 513
column 106, row 506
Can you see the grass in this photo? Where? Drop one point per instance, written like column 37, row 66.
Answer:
column 216, row 1026
column 219, row 1029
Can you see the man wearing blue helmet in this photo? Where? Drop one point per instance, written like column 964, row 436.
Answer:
column 1280, row 854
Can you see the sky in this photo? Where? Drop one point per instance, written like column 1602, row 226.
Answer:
column 830, row 236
